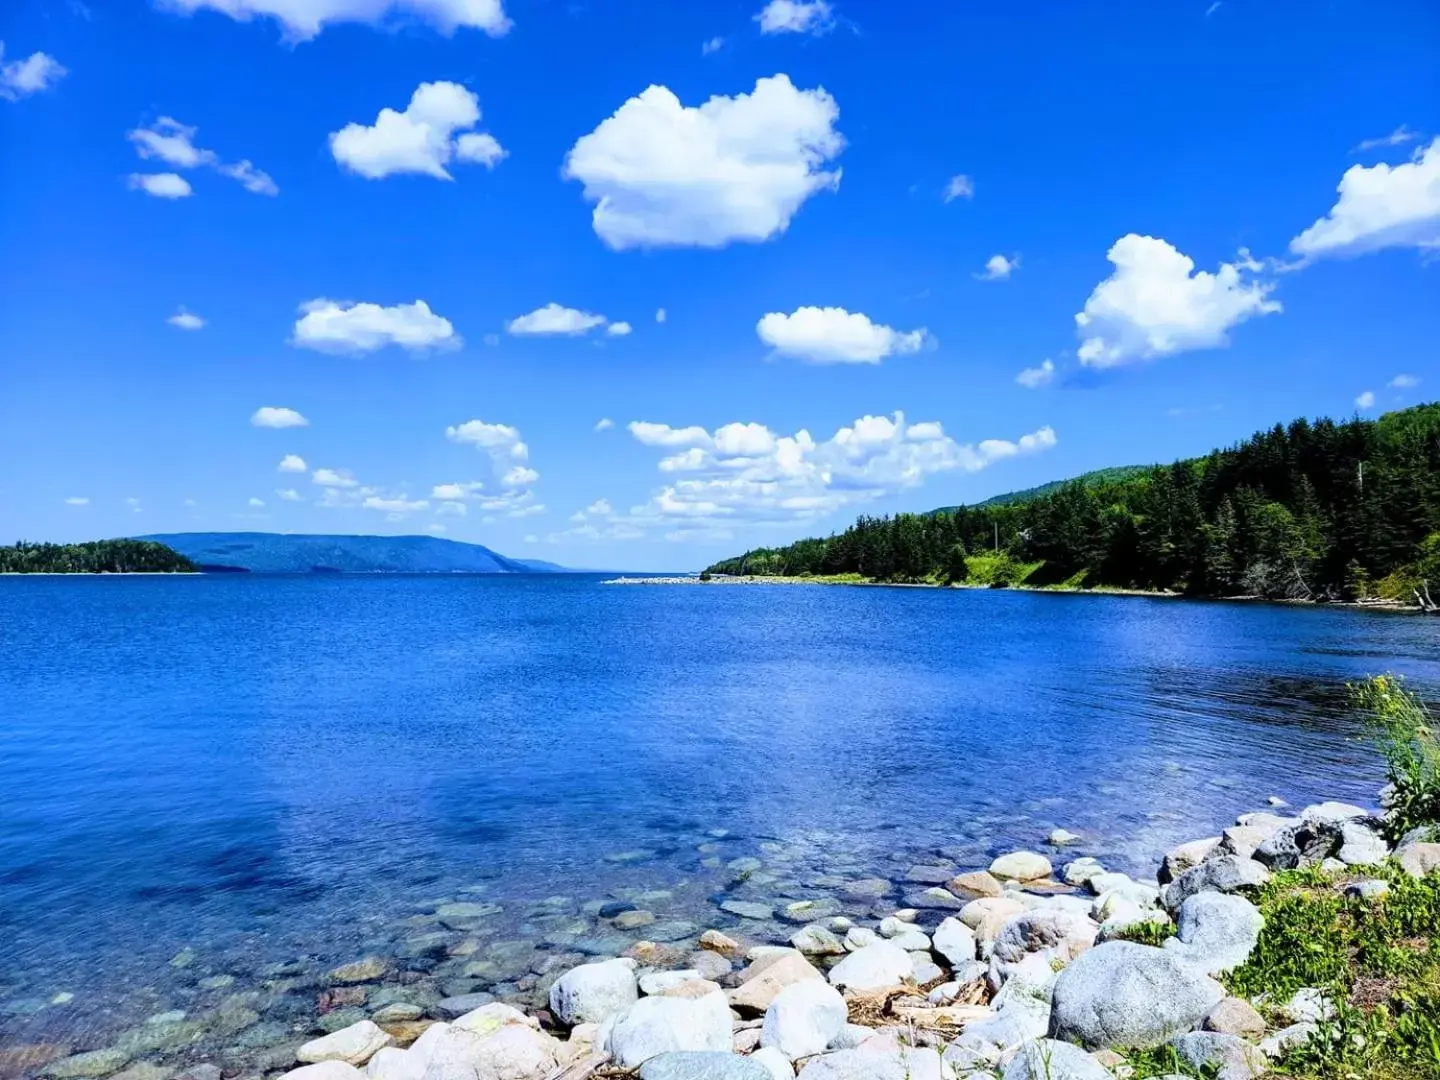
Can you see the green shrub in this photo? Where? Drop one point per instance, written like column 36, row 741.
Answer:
column 1405, row 732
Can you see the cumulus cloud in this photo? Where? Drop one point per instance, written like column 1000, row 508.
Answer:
column 1156, row 303
column 334, row 478
column 1032, row 378
column 395, row 505
column 304, row 19
column 291, row 463
column 796, row 17
column 1365, row 400
column 833, row 335
column 332, row 326
column 186, row 320
column 77, row 500
column 500, row 441
column 519, row 476
column 604, row 424
column 960, row 186
column 274, row 416
column 21, row 78
column 167, row 185
column 618, row 329
column 289, row 495
column 431, row 132
column 743, row 473
column 172, row 142
column 1380, row 206
column 1404, row 382
column 554, row 319
column 508, row 454
column 600, row 508
column 998, row 268
column 663, row 174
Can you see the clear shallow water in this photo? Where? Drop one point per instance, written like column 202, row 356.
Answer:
column 283, row 770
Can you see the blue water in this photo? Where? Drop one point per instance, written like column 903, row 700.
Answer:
column 266, row 769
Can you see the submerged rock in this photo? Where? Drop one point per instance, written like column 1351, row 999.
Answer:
column 88, row 1065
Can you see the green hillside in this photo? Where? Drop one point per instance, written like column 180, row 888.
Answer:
column 1313, row 510
column 94, row 557
column 1090, row 479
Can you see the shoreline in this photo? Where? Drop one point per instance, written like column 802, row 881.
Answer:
column 1104, row 590
column 946, row 971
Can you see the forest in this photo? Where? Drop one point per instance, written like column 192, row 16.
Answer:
column 1317, row 510
column 94, row 557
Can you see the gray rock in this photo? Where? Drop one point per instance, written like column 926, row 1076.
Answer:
column 912, row 941
column 325, row 1070
column 873, row 968
column 1186, row 857
column 355, row 1045
column 748, row 909
column 88, row 1065
column 391, row 1063
column 1226, row 1056
column 709, row 965
column 1235, row 1016
column 934, row 899
column 1223, row 873
column 673, row 930
column 925, row 970
column 1061, row 837
column 804, row 1019
column 1217, row 932
column 703, row 1065
column 592, row 993
column 1059, row 936
column 805, row 911
column 1286, row 1039
column 1046, row 1059
column 1418, row 858
column 461, row 1004
column 817, row 941
column 954, row 941
column 875, row 1062
column 1362, row 843
column 660, row 1025
column 851, row 1036
column 929, row 875
column 1332, row 813
column 1368, row 889
column 657, row 982
column 776, row 1063
column 1079, row 871
column 1124, row 994
column 858, row 937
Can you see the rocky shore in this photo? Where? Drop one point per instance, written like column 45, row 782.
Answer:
column 1035, row 967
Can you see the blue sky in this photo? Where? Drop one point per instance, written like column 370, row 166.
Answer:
column 821, row 236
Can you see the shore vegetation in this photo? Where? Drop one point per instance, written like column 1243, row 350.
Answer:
column 94, row 557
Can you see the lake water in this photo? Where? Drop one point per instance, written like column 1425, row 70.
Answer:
column 260, row 778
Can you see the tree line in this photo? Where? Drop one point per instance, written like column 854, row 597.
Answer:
column 94, row 557
column 1313, row 510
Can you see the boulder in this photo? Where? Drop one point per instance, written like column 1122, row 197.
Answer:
column 721, row 944
column 1129, row 995
column 873, row 968
column 660, row 1025
column 1235, row 1016
column 1058, row 936
column 1419, row 858
column 592, row 993
column 1242, row 840
column 657, row 982
column 976, row 883
column 776, row 1063
column 763, row 980
column 496, row 1042
column 1021, row 866
column 804, row 1019
column 929, row 874
column 1186, row 857
column 1223, row 873
column 1079, row 871
column 90, row 1064
column 392, row 1063
column 703, row 1065
column 817, row 941
column 1225, row 1057
column 1332, row 813
column 1217, row 932
column 954, row 941
column 1362, row 843
column 857, row 937
column 367, row 970
column 354, row 1045
column 1046, row 1059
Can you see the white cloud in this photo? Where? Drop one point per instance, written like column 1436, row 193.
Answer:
column 334, row 478
column 77, row 500
column 618, row 329
column 1380, row 206
column 660, row 315
column 600, row 508
column 172, row 142
column 273, row 416
column 833, row 335
column 436, row 528
column 998, row 268
column 1032, row 378
column 451, row 508
column 1366, row 400
column 422, row 139
column 292, row 463
column 746, row 474
column 289, row 495
column 1404, row 382
column 166, row 185
column 604, row 424
column 455, row 492
column 21, row 78
column 186, row 320
column 1156, row 304
column 134, row 504
column 733, row 169
column 527, row 511
column 508, row 456
column 554, row 319
column 501, row 441
column 1398, row 137
column 796, row 17
column 519, row 476
column 255, row 503
column 715, row 44
column 341, row 327
column 959, row 187
column 304, row 19
column 397, row 505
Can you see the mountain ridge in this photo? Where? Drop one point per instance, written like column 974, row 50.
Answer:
column 342, row 553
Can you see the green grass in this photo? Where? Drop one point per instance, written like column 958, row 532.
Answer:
column 1164, row 1061
column 1402, row 727
column 998, row 570
column 1147, row 933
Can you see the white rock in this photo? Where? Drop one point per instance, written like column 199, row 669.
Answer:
column 1308, row 1006
column 354, row 1045
column 1217, row 931
column 1058, row 936
column 1046, row 1059
column 1276, row 1045
column 858, row 937
column 777, row 1063
column 325, row 1070
column 804, row 1019
column 873, row 968
column 513, row 1051
column 657, row 982
column 658, row 1025
column 954, row 941
column 1079, row 871
column 392, row 1063
column 1021, row 866
column 914, row 941
column 592, row 993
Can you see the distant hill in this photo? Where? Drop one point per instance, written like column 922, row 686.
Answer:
column 284, row 553
column 1112, row 475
